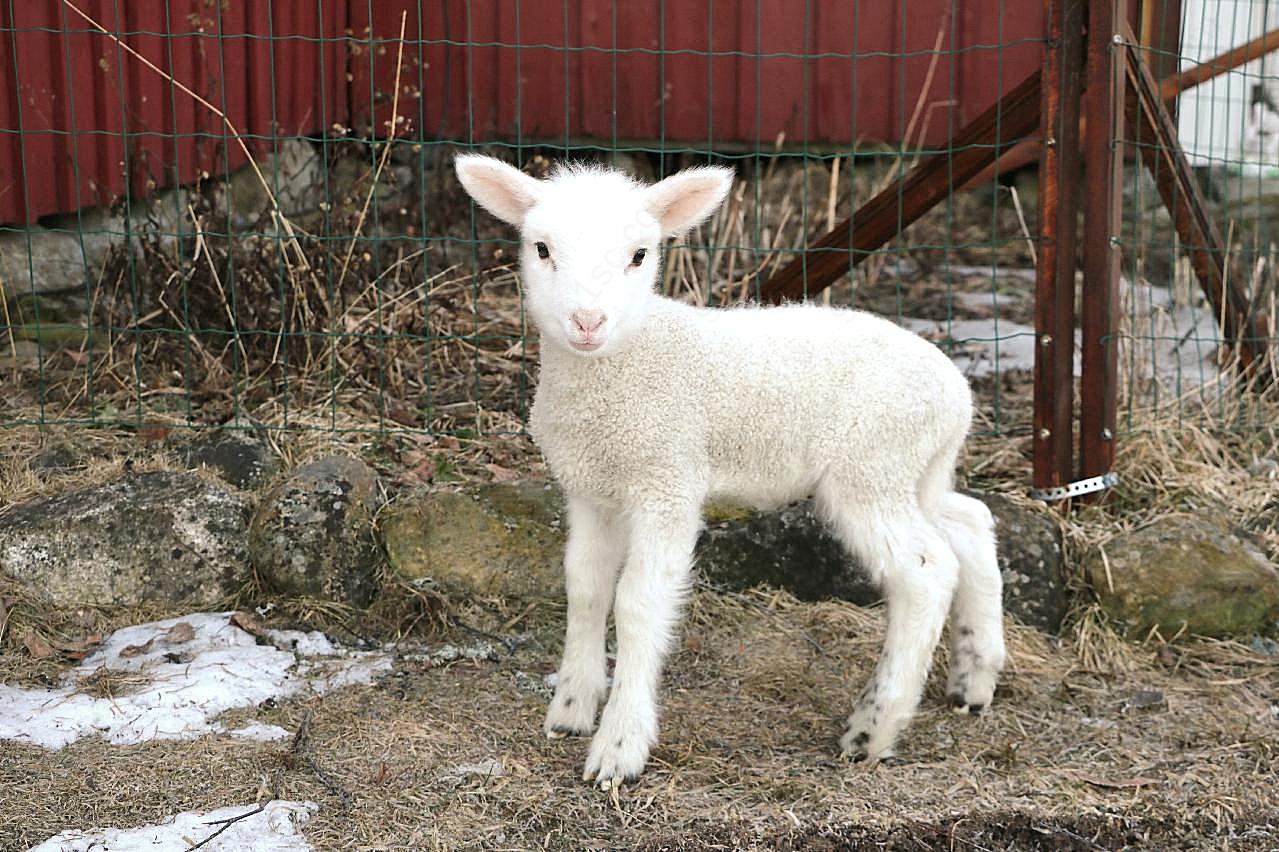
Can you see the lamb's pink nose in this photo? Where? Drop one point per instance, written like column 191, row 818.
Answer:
column 587, row 322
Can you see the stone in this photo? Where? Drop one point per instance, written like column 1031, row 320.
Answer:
column 313, row 533
column 56, row 458
column 1031, row 561
column 39, row 260
column 507, row 539
column 791, row 548
column 241, row 456
column 158, row 537
column 1185, row 572
column 294, row 171
column 499, row 539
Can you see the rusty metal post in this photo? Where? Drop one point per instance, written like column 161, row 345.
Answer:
column 1103, row 212
column 1055, row 277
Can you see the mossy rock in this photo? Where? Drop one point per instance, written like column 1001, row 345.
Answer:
column 161, row 537
column 313, row 533
column 1186, row 572
column 507, row 540
column 500, row 539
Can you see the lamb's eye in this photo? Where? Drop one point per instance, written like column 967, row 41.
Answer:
column 542, row 251
column 638, row 257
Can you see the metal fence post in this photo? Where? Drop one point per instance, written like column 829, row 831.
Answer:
column 1103, row 208
column 1055, row 275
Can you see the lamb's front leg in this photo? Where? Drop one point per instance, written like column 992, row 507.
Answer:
column 596, row 542
column 650, row 593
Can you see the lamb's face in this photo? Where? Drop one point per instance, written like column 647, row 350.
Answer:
column 591, row 240
column 590, row 256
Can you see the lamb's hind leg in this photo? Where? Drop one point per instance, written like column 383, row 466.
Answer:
column 916, row 571
column 976, row 622
column 591, row 559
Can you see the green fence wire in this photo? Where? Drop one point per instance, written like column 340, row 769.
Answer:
column 151, row 280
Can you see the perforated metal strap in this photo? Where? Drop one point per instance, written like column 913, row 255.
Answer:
column 1076, row 489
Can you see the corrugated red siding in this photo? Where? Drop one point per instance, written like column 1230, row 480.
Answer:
column 78, row 114
column 617, row 71
column 640, row 70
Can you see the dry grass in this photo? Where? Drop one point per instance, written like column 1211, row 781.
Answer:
column 1177, row 747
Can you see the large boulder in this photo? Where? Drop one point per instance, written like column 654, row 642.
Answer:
column 147, row 537
column 792, row 548
column 39, row 260
column 500, row 539
column 789, row 548
column 313, row 533
column 1186, row 572
column 507, row 539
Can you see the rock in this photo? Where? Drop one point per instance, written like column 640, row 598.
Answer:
column 503, row 539
column 1186, row 571
column 39, row 260
column 148, row 537
column 96, row 230
column 313, row 534
column 791, row 548
column 507, row 539
column 788, row 548
column 56, row 458
column 295, row 171
column 241, row 456
column 1032, row 563
column 1264, row 467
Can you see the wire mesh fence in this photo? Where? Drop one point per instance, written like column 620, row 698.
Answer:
column 217, row 211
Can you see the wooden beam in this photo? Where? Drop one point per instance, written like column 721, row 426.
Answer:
column 1160, row 150
column 1053, row 445
column 1174, row 85
column 978, row 144
column 1103, row 220
column 1170, row 87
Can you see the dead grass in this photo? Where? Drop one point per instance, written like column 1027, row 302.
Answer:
column 1176, row 747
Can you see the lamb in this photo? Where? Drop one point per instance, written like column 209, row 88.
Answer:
column 646, row 408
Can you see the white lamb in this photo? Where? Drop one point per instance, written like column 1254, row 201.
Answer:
column 647, row 408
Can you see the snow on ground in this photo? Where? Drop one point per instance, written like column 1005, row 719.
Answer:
column 169, row 679
column 1171, row 339
column 272, row 829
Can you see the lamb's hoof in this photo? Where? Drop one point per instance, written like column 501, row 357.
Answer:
column 970, row 687
column 860, row 748
column 615, row 760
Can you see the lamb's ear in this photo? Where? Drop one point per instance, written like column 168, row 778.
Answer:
column 503, row 190
column 686, row 198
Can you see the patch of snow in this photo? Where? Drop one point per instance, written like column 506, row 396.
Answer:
column 273, row 829
column 481, row 651
column 313, row 644
column 189, row 670
column 489, row 767
column 1169, row 338
column 980, row 347
column 261, row 731
column 1023, row 274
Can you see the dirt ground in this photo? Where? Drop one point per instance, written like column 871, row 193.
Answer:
column 1091, row 744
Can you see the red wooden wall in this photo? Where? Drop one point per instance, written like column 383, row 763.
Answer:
column 681, row 73
column 78, row 113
